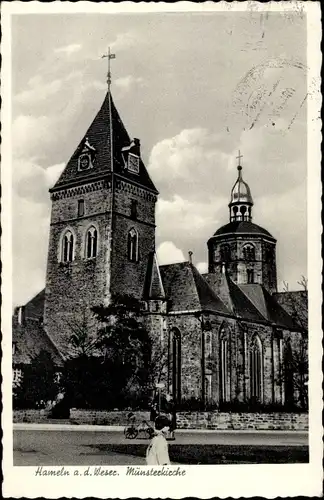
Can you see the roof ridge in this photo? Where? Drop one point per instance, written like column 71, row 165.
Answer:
column 200, row 280
column 234, row 287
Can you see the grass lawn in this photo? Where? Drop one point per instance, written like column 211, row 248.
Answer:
column 218, row 454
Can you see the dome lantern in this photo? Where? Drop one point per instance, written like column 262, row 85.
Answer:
column 241, row 199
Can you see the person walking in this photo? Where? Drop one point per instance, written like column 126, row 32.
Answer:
column 171, row 411
column 154, row 412
column 157, row 452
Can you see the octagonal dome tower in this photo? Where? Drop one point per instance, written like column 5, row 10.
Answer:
column 247, row 250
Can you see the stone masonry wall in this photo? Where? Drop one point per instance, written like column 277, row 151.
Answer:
column 72, row 288
column 185, row 420
column 128, row 277
column 242, row 421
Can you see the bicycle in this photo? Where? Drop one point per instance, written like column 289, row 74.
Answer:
column 132, row 431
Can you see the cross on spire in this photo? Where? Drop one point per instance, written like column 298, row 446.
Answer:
column 239, row 158
column 109, row 57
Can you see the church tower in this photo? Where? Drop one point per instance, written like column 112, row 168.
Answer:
column 102, row 229
column 247, row 251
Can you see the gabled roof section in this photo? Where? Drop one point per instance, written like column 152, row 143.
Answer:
column 104, row 140
column 207, row 297
column 34, row 309
column 268, row 306
column 186, row 290
column 29, row 340
column 153, row 286
column 241, row 304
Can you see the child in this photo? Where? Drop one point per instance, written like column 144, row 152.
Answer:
column 157, row 451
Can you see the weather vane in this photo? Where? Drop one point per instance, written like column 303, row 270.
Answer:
column 109, row 56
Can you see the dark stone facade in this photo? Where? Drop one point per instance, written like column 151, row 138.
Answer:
column 222, row 335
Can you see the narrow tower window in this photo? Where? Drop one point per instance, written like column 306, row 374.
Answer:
column 134, row 209
column 67, row 247
column 250, row 276
column 175, row 364
column 80, row 208
column 91, row 243
column 225, row 253
column 132, row 245
column 256, row 370
column 224, row 374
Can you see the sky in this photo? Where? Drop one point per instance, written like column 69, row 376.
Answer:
column 195, row 88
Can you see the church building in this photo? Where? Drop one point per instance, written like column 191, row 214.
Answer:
column 225, row 333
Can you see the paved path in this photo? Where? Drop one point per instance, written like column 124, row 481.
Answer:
column 83, row 447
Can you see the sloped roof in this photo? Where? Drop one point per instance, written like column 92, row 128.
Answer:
column 243, row 227
column 106, row 123
column 35, row 307
column 295, row 303
column 242, row 305
column 268, row 306
column 153, row 286
column 186, row 289
column 29, row 340
column 207, row 297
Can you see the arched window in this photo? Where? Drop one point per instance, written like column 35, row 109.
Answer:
column 175, row 363
column 208, row 344
column 288, row 373
column 225, row 253
column 249, row 252
column 256, row 371
column 132, row 245
column 224, row 370
column 67, row 253
column 91, row 243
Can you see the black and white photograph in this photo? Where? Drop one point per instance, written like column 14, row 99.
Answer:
column 161, row 249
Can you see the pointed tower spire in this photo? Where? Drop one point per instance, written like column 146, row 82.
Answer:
column 241, row 199
column 110, row 56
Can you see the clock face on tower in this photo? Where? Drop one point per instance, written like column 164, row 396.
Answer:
column 133, row 163
column 84, row 162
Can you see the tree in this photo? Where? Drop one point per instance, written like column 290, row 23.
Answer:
column 127, row 349
column 39, row 383
column 295, row 370
column 295, row 373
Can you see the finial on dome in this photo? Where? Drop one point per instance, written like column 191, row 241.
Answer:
column 241, row 200
column 239, row 167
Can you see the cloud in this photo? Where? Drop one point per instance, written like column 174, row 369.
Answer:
column 31, row 134
column 168, row 253
column 124, row 41
column 31, row 219
column 188, row 164
column 38, row 91
column 68, row 49
column 202, row 267
column 30, row 243
column 127, row 82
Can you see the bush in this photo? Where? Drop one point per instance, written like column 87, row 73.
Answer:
column 38, row 385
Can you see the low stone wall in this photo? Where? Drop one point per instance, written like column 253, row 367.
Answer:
column 242, row 421
column 185, row 420
column 30, row 416
column 95, row 417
